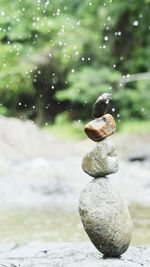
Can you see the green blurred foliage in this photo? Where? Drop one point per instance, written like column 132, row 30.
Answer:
column 60, row 55
column 95, row 81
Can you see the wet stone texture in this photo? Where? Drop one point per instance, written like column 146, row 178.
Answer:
column 38, row 254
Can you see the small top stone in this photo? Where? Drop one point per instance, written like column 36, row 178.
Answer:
column 101, row 105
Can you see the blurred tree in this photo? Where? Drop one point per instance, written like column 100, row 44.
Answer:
column 61, row 55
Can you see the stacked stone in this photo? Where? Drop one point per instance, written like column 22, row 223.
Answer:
column 103, row 211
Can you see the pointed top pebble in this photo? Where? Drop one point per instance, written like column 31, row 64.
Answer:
column 101, row 105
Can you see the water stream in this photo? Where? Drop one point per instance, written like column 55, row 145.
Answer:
column 50, row 225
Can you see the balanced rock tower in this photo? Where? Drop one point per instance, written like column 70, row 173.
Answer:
column 102, row 208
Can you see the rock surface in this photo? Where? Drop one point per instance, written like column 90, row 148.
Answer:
column 101, row 105
column 102, row 160
column 105, row 217
column 100, row 128
column 21, row 140
column 37, row 254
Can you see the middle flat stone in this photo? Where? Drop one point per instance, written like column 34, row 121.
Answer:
column 102, row 160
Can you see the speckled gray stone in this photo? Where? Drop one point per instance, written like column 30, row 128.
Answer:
column 105, row 217
column 102, row 160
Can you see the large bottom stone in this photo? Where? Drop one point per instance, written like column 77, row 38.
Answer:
column 105, row 217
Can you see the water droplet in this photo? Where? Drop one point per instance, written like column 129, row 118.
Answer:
column 135, row 23
column 106, row 38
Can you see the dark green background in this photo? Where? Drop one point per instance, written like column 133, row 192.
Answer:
column 60, row 55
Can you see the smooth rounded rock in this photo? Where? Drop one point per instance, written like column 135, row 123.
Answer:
column 102, row 160
column 105, row 217
column 101, row 105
